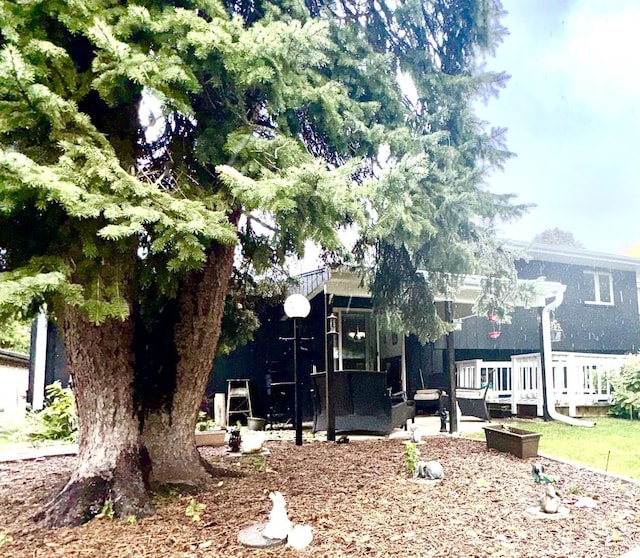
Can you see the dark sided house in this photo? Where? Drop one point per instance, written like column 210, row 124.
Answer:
column 598, row 313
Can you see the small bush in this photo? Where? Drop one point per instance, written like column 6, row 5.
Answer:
column 58, row 419
column 205, row 423
column 626, row 390
column 411, row 458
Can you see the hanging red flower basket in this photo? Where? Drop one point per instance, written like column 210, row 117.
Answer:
column 492, row 318
column 494, row 334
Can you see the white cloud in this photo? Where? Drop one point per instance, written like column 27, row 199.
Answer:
column 598, row 56
column 572, row 118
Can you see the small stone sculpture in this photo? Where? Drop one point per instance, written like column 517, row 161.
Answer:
column 431, row 470
column 278, row 526
column 414, row 434
column 235, row 440
column 300, row 536
column 550, row 502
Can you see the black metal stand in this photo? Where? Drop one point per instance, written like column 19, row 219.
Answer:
column 451, row 366
column 298, row 386
column 330, row 408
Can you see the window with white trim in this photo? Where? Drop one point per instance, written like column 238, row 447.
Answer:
column 599, row 288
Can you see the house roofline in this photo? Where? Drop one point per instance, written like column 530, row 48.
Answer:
column 12, row 356
column 577, row 256
column 344, row 282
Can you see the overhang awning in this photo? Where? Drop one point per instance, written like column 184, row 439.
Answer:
column 347, row 283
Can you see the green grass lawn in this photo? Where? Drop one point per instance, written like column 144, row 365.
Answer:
column 612, row 445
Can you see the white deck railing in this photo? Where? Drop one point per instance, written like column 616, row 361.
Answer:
column 579, row 379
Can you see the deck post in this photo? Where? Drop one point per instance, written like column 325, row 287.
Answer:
column 515, row 385
column 574, row 372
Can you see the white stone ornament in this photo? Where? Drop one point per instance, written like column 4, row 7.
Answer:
column 278, row 526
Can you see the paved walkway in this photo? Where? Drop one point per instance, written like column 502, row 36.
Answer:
column 30, row 452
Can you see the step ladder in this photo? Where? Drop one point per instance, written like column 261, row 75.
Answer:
column 238, row 400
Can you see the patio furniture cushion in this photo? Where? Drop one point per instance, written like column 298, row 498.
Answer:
column 362, row 403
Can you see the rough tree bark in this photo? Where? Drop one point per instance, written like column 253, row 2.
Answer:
column 169, row 433
column 111, row 466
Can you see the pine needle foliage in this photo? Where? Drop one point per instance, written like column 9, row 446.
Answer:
column 134, row 136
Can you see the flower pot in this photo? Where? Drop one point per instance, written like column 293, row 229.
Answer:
column 213, row 438
column 255, row 423
column 521, row 443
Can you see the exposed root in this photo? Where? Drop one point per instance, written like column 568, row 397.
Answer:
column 122, row 492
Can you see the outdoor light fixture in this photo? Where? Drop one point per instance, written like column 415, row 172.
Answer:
column 332, row 333
column 557, row 333
column 297, row 306
column 357, row 335
column 332, row 323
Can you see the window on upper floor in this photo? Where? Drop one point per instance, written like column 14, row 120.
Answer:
column 599, row 287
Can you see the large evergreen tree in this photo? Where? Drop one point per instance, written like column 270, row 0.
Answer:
column 281, row 122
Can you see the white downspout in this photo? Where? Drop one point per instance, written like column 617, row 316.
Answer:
column 40, row 362
column 548, row 364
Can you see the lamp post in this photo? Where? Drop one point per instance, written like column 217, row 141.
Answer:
column 329, row 407
column 297, row 306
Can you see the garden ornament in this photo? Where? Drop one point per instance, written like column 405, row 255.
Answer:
column 550, row 502
column 538, row 474
column 234, row 440
column 300, row 536
column 414, row 434
column 431, row 470
column 278, row 526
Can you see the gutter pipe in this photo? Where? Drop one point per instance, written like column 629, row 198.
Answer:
column 546, row 356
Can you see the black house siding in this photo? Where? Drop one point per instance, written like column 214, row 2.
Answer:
column 591, row 327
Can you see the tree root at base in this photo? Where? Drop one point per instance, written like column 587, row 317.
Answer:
column 120, row 493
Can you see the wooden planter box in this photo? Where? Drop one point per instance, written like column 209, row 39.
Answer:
column 214, row 438
column 515, row 441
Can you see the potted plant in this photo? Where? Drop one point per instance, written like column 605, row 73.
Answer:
column 209, row 432
column 518, row 442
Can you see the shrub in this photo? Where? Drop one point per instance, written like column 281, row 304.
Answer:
column 626, row 390
column 205, row 423
column 411, row 458
column 58, row 419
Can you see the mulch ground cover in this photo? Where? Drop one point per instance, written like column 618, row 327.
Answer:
column 358, row 499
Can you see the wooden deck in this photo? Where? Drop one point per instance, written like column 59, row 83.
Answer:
column 581, row 384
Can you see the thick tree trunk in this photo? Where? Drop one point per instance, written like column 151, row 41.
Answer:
column 110, row 466
column 169, row 433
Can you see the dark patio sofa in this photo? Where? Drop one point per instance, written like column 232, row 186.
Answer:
column 362, row 403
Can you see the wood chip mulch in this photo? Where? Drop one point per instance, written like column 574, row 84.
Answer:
column 358, row 499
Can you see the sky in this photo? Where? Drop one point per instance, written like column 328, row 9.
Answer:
column 572, row 112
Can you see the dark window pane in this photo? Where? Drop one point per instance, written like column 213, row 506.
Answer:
column 604, row 282
column 589, row 287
